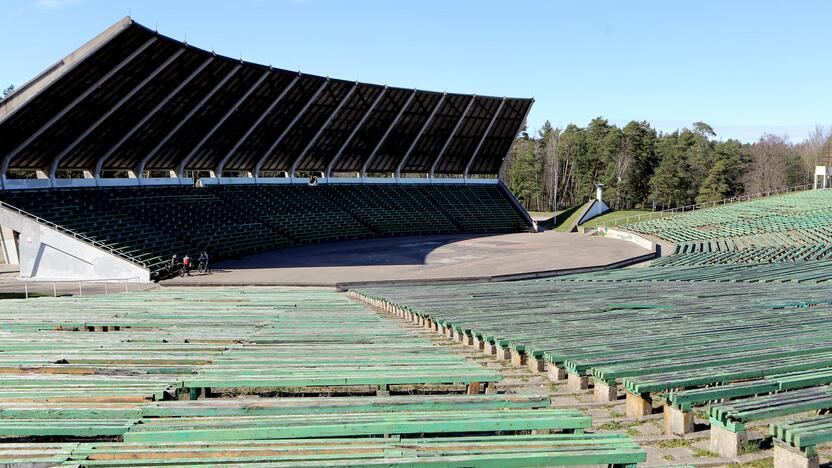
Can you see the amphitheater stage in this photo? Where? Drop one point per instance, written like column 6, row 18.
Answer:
column 423, row 258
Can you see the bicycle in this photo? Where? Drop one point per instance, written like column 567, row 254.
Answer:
column 203, row 267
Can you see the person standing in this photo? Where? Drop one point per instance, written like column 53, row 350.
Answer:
column 186, row 264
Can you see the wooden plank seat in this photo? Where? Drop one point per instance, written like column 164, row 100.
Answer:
column 729, row 420
column 507, row 451
column 36, row 454
column 803, row 435
column 85, row 419
column 353, row 424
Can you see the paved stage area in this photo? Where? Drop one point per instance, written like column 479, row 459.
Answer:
column 418, row 258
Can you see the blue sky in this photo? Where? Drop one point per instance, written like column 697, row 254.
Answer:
column 745, row 67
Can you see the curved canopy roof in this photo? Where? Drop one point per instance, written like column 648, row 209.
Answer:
column 134, row 99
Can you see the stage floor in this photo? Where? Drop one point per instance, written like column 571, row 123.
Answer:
column 417, row 258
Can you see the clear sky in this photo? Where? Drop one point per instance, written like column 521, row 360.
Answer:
column 745, row 67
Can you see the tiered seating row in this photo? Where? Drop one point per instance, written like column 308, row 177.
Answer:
column 666, row 337
column 150, row 224
column 504, row 451
column 166, row 377
column 784, row 213
column 168, row 344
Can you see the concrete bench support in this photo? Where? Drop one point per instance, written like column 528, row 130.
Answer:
column 535, row 364
column 676, row 421
column 638, row 406
column 517, row 358
column 604, row 392
column 489, row 349
column 576, row 382
column 555, row 373
column 726, row 443
column 786, row 457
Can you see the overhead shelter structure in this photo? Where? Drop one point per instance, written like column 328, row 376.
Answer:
column 104, row 131
column 133, row 103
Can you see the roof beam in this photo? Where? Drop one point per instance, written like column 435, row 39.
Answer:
column 55, row 162
column 8, row 157
column 419, row 135
column 283, row 134
column 484, row 136
column 321, row 130
column 256, row 124
column 363, row 172
column 513, row 135
column 197, row 107
column 100, row 164
column 180, row 172
column 337, row 156
column 451, row 136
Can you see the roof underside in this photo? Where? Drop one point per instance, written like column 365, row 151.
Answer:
column 134, row 99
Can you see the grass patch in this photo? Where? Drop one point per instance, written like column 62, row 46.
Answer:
column 700, row 452
column 762, row 463
column 669, row 457
column 543, row 214
column 611, row 215
column 616, row 414
column 611, row 426
column 749, row 446
column 701, row 414
column 632, row 432
column 673, row 443
column 562, row 220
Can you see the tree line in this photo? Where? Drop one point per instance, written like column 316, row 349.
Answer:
column 644, row 168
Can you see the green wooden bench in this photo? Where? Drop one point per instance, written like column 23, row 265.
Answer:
column 505, row 451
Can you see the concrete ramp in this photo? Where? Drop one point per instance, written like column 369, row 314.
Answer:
column 48, row 253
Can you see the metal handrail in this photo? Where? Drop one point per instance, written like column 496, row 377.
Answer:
column 74, row 234
column 105, row 281
column 700, row 206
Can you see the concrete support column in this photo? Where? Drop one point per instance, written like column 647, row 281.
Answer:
column 9, row 245
column 676, row 421
column 788, row 457
column 576, row 382
column 489, row 349
column 727, row 443
column 535, row 364
column 638, row 406
column 517, row 358
column 555, row 373
column 604, row 392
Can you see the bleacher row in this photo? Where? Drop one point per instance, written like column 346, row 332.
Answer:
column 208, row 377
column 150, row 224
column 682, row 344
column 783, row 213
column 785, row 228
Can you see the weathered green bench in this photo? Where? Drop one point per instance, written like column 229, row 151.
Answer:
column 504, row 451
column 796, row 441
column 729, row 420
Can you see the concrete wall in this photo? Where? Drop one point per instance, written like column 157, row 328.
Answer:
column 597, row 208
column 627, row 236
column 47, row 254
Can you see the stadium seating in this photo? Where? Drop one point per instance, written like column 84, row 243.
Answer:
column 109, row 381
column 785, row 228
column 392, row 451
column 666, row 336
column 150, row 224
